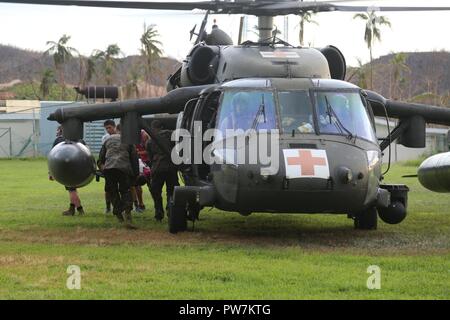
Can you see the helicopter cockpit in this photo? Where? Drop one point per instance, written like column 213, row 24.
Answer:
column 297, row 106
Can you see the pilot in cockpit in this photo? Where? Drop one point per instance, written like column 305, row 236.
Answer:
column 249, row 110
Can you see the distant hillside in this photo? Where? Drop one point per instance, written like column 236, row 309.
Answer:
column 26, row 65
column 427, row 81
column 429, row 72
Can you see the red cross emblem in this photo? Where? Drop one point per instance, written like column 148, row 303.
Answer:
column 307, row 162
column 279, row 54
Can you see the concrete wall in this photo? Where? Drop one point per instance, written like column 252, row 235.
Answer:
column 17, row 138
column 93, row 131
column 19, row 128
column 24, row 133
column 47, row 129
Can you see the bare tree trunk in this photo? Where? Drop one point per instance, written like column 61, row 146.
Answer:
column 301, row 33
column 390, row 83
column 81, row 82
column 371, row 68
column 62, row 83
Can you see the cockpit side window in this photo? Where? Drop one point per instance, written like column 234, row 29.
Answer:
column 343, row 113
column 245, row 110
column 296, row 112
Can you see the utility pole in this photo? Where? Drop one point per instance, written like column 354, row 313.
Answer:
column 34, row 135
column 286, row 29
column 10, row 142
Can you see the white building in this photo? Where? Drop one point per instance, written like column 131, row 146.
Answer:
column 19, row 128
column 437, row 140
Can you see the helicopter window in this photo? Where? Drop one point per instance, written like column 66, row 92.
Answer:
column 247, row 110
column 296, row 112
column 343, row 113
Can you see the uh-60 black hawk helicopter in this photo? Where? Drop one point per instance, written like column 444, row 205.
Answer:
column 329, row 156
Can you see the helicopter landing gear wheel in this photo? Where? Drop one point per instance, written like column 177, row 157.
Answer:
column 177, row 219
column 193, row 213
column 366, row 220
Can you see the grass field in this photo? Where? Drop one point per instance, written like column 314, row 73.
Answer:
column 227, row 256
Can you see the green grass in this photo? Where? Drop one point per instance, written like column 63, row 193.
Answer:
column 228, row 256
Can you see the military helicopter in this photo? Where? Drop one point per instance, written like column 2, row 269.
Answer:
column 330, row 160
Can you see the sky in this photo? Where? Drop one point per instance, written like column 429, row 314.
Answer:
column 31, row 26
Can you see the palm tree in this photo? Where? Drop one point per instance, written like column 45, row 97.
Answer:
column 150, row 48
column 61, row 53
column 399, row 65
column 109, row 59
column 361, row 73
column 48, row 78
column 132, row 88
column 305, row 17
column 372, row 32
column 90, row 69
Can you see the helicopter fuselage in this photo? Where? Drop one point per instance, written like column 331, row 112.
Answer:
column 324, row 165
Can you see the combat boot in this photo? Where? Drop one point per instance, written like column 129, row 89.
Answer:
column 80, row 210
column 159, row 214
column 118, row 215
column 128, row 221
column 70, row 211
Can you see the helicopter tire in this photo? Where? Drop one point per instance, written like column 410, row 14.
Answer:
column 177, row 219
column 366, row 220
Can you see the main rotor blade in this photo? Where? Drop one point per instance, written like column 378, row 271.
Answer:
column 387, row 8
column 158, row 5
column 258, row 8
column 292, row 7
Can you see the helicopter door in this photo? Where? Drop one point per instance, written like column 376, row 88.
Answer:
column 206, row 114
column 184, row 121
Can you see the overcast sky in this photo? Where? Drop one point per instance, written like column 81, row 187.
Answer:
column 29, row 26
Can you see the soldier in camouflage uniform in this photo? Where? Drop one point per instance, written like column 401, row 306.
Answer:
column 119, row 163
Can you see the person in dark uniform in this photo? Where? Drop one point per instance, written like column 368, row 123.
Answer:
column 162, row 167
column 75, row 201
column 110, row 128
column 119, row 164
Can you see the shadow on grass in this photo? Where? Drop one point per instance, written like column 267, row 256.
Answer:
column 318, row 232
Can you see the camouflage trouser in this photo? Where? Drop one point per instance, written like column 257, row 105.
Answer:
column 117, row 184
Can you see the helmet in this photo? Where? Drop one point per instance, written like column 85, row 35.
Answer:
column 240, row 101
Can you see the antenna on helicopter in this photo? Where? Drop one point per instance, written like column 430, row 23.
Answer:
column 201, row 35
column 192, row 32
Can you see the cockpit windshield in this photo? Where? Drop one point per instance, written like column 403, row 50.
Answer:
column 296, row 112
column 337, row 112
column 246, row 110
column 343, row 113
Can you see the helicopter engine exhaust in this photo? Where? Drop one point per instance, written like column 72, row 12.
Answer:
column 336, row 62
column 434, row 173
column 71, row 164
column 99, row 92
column 201, row 65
